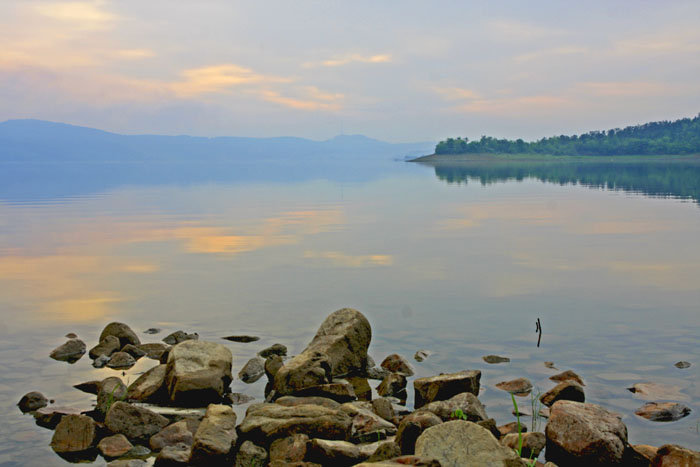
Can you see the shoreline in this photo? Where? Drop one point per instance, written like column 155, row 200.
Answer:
column 502, row 157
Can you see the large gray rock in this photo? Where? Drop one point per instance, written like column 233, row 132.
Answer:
column 74, row 433
column 339, row 347
column 150, row 385
column 215, row 436
column 122, row 332
column 443, row 387
column 198, row 372
column 69, row 352
column 266, row 422
column 581, row 434
column 459, row 443
column 467, row 402
column 106, row 347
column 136, row 423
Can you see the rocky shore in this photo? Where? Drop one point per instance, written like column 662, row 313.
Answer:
column 318, row 409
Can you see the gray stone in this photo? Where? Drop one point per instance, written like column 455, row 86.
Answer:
column 252, row 370
column 114, row 446
column 152, row 331
column 127, row 463
column 215, row 436
column 136, row 423
column 243, row 339
column 422, row 355
column 236, row 398
column 49, row 417
column 250, row 454
column 338, row 391
column 566, row 390
column 445, row 386
column 120, row 331
column 107, row 347
column 272, row 365
column 384, row 408
column 91, row 387
column 179, row 336
column 366, row 425
column 121, row 360
column 74, row 433
column 293, row 401
column 567, row 375
column 69, row 352
column 32, row 401
column 386, row 450
column 466, row 402
column 682, row 365
column 150, row 386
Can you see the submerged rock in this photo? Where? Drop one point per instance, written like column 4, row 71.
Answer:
column 656, row 391
column 32, row 401
column 152, row 331
column 682, row 365
column 445, row 386
column 120, row 331
column 74, row 433
column 107, row 347
column 494, row 359
column 518, row 386
column 252, row 370
column 421, row 355
column 69, row 352
column 243, row 339
column 179, row 336
column 566, row 390
column 395, row 363
column 663, row 411
column 567, row 375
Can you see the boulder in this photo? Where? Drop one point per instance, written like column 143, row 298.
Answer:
column 114, row 446
column 412, row 426
column 360, row 387
column 112, row 389
column 395, row 363
column 32, row 401
column 494, row 359
column 275, row 349
column 215, row 436
column 252, row 370
column 136, row 423
column 174, row 434
column 466, row 402
column 442, row 387
column 458, row 443
column 120, row 331
column 154, row 350
column 293, row 401
column 290, row 449
column 338, row 348
column 567, row 375
column 250, row 454
column 150, row 386
column 564, row 391
column 74, row 433
column 663, row 411
column 672, row 455
column 121, row 360
column 646, row 451
column 335, row 453
column 69, row 352
column 518, row 386
column 198, row 372
column 533, row 443
column 174, row 455
column 393, row 385
column 266, row 422
column 179, row 336
column 490, row 424
column 134, row 351
column 584, row 434
column 107, row 347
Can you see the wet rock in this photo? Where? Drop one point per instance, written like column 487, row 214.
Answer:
column 672, row 455
column 565, row 391
column 656, row 391
column 150, row 386
column 341, row 392
column 252, row 370
column 114, row 446
column 274, row 349
column 250, row 454
column 338, row 348
column 91, row 387
column 32, row 401
column 567, row 375
column 272, row 365
column 236, row 398
column 243, row 339
column 412, row 426
column 265, row 422
column 179, row 336
column 111, row 390
column 134, row 351
column 663, row 411
column 511, row 427
column 395, row 363
column 494, row 359
column 336, row 453
column 154, row 350
column 550, row 365
column 293, row 401
column 386, row 450
column 383, row 407
column 421, row 355
column 458, row 443
column 136, row 423
column 49, row 417
column 121, row 360
column 107, row 347
column 174, row 455
column 290, row 449
column 366, row 425
column 518, row 386
column 152, row 331
column 174, row 434
column 682, row 365
column 74, row 433
column 69, row 352
column 198, row 372
column 101, row 361
column 215, row 436
column 584, row 434
column 393, row 385
column 444, row 386
column 466, row 402
column 533, row 443
column 120, row 331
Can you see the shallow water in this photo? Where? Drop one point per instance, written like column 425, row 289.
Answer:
column 459, row 260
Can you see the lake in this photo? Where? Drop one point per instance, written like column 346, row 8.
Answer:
column 458, row 259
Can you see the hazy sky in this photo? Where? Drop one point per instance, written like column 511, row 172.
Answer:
column 395, row 70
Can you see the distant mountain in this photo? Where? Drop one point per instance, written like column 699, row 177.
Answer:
column 42, row 141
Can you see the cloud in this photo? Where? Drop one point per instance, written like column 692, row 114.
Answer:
column 455, row 93
column 352, row 58
column 314, row 100
column 627, row 89
column 81, row 15
column 550, row 53
column 351, row 261
column 219, row 78
column 537, row 104
column 135, row 54
column 514, row 30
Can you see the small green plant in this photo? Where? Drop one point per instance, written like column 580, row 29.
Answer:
column 459, row 415
column 532, row 462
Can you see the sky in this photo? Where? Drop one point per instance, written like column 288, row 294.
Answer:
column 396, row 70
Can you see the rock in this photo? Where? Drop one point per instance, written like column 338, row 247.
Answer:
column 179, row 336
column 444, row 386
column 121, row 360
column 412, row 426
column 174, row 455
column 198, row 372
column 266, row 422
column 518, row 386
column 395, row 363
column 101, row 361
column 458, row 443
column 646, row 451
column 403, row 460
column 336, row 453
column 274, row 349
column 550, row 365
column 656, row 391
column 511, row 427
column 112, row 389
column 393, row 385
column 421, row 355
column 383, row 407
column 672, row 455
column 360, row 387
column 290, row 449
column 152, row 331
column 250, row 454
column 136, row 423
column 49, row 417
column 244, row 339
column 376, row 373
column 567, row 375
column 107, row 347
column 272, row 365
column 584, row 434
column 338, row 348
column 127, row 463
column 69, row 352
column 134, row 351
column 533, row 443
column 32, row 401
column 490, row 424
column 138, row 451
column 71, row 335
column 114, row 446
column 466, row 402
column 150, row 386
column 386, row 450
column 663, row 411
column 366, row 425
column 91, row 387
column 493, row 359
column 215, row 436
column 74, row 433
column 120, row 331
column 252, row 370
column 293, row 401
column 682, row 365
column 566, row 390
column 154, row 350
column 174, row 434
column 338, row 391
column 236, row 398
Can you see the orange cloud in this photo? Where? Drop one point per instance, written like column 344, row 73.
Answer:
column 81, row 15
column 352, row 58
column 351, row 261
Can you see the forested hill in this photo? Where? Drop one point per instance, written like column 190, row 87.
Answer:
column 655, row 138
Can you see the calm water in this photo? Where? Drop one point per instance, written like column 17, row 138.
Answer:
column 458, row 260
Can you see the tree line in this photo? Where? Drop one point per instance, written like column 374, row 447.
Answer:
column 654, row 138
